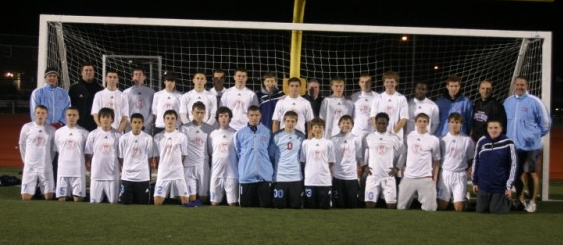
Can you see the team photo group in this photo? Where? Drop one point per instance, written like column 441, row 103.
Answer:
column 271, row 148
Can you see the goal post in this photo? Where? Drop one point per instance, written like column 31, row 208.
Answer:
column 327, row 50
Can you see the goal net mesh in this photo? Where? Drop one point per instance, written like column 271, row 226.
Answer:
column 185, row 50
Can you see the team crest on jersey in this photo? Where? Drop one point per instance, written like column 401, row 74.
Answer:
column 390, row 110
column 381, row 149
column 416, row 148
column 263, row 138
column 140, row 104
column 168, row 106
column 365, row 109
column 525, row 109
column 40, row 141
column 198, row 142
column 106, row 148
column 224, row 147
column 70, row 144
column 337, row 113
column 318, row 155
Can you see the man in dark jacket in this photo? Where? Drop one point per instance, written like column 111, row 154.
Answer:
column 484, row 108
column 494, row 170
column 82, row 95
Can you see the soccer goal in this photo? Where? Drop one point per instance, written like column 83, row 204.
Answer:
column 187, row 46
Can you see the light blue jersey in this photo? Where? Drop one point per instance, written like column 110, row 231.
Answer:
column 284, row 152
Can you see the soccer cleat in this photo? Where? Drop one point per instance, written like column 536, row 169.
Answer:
column 531, row 207
column 192, row 204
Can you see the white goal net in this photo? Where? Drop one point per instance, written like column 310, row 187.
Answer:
column 187, row 46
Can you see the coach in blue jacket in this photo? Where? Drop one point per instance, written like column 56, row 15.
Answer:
column 255, row 170
column 494, row 170
column 528, row 121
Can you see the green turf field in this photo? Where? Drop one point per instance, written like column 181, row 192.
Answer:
column 51, row 222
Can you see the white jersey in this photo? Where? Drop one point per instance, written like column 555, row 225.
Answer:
column 224, row 156
column 332, row 109
column 113, row 100
column 139, row 98
column 380, row 152
column 164, row 101
column 422, row 151
column 362, row 112
column 170, row 149
column 317, row 154
column 299, row 105
column 70, row 143
column 348, row 153
column 198, row 153
column 238, row 100
column 135, row 150
column 395, row 106
column 427, row 107
column 36, row 147
column 103, row 145
column 456, row 150
column 208, row 99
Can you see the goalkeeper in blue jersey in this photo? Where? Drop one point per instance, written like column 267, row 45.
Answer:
column 284, row 151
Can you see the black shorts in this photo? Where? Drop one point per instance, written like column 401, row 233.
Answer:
column 134, row 192
column 317, row 197
column 345, row 193
column 256, row 194
column 527, row 161
column 288, row 194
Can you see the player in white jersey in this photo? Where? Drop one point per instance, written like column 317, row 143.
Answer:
column 457, row 156
column 422, row 166
column 136, row 152
column 224, row 178
column 111, row 98
column 101, row 157
column 239, row 98
column 335, row 106
column 171, row 150
column 140, row 98
column 164, row 100
column 393, row 103
column 36, row 149
column 381, row 149
column 347, row 150
column 363, row 100
column 198, row 94
column 196, row 164
column 70, row 141
column 317, row 154
column 293, row 102
column 421, row 104
column 284, row 150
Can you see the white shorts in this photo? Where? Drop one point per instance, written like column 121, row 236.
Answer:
column 197, row 180
column 30, row 180
column 66, row 184
column 452, row 183
column 218, row 186
column 99, row 187
column 377, row 186
column 175, row 187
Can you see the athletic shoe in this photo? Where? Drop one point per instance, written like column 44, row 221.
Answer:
column 531, row 208
column 192, row 204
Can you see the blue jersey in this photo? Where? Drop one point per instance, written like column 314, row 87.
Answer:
column 55, row 99
column 251, row 144
column 494, row 164
column 284, row 152
column 528, row 121
column 447, row 106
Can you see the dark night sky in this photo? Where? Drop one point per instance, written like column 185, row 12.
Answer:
column 23, row 19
